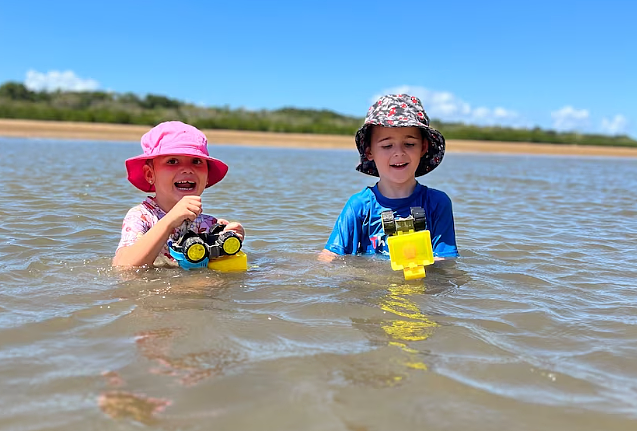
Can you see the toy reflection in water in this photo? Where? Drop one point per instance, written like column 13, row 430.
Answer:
column 412, row 325
column 409, row 242
column 217, row 249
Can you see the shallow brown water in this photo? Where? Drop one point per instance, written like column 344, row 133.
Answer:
column 534, row 327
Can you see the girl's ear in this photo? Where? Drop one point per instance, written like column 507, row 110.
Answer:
column 149, row 174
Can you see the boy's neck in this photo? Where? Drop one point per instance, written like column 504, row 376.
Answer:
column 396, row 191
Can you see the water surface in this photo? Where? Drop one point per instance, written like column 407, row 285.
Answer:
column 534, row 327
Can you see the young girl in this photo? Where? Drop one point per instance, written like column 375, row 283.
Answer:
column 177, row 167
column 397, row 145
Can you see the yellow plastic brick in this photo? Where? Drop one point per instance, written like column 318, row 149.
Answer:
column 236, row 262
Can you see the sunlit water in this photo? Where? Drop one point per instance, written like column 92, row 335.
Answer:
column 534, row 327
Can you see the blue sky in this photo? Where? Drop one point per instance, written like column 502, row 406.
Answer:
column 566, row 65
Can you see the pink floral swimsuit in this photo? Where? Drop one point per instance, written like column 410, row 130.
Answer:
column 142, row 217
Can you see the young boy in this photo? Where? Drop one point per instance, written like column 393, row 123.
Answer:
column 177, row 167
column 397, row 145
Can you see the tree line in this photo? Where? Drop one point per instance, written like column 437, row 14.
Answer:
column 19, row 102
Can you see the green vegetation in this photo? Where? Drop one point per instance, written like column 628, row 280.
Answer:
column 509, row 134
column 17, row 101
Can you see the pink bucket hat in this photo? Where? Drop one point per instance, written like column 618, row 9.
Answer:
column 177, row 139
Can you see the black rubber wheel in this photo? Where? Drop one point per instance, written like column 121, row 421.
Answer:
column 389, row 226
column 195, row 250
column 230, row 242
column 420, row 221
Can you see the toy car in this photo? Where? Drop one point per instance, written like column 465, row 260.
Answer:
column 216, row 249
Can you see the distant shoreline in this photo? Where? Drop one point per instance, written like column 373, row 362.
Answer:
column 132, row 133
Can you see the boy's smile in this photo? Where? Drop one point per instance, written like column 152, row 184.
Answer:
column 399, row 165
column 175, row 177
column 396, row 151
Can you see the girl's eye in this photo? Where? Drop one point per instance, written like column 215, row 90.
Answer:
column 409, row 144
column 197, row 161
column 386, row 147
column 172, row 161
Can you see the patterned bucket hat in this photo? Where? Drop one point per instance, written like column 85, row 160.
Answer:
column 400, row 110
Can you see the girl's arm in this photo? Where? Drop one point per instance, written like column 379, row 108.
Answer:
column 234, row 226
column 146, row 249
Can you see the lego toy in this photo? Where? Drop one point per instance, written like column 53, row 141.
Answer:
column 409, row 242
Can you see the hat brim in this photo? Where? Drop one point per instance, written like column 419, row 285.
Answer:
column 135, row 168
column 428, row 162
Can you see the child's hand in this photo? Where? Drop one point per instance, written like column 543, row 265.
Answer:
column 233, row 226
column 188, row 208
column 327, row 256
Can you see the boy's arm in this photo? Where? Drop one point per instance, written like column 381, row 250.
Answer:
column 327, row 256
column 442, row 231
column 345, row 236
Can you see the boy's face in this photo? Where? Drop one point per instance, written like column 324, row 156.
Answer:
column 175, row 177
column 396, row 152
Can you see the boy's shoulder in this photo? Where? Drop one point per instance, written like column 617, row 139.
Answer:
column 437, row 195
column 370, row 197
column 362, row 198
column 422, row 196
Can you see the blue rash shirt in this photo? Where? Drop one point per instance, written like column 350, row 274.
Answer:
column 359, row 228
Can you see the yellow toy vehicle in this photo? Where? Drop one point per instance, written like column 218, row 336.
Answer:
column 409, row 242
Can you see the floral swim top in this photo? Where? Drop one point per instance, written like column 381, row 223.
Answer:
column 142, row 217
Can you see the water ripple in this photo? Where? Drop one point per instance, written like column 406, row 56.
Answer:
column 538, row 316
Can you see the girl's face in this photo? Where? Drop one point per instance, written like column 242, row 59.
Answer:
column 175, row 177
column 396, row 152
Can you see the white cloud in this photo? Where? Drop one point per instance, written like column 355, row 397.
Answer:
column 570, row 119
column 447, row 107
column 54, row 80
column 615, row 126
